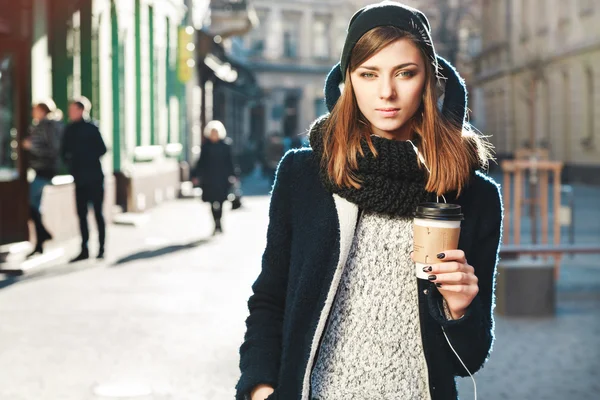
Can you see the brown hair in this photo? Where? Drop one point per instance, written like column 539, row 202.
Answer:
column 451, row 151
column 43, row 107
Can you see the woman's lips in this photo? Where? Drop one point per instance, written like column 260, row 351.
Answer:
column 388, row 112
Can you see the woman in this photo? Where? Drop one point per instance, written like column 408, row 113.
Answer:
column 214, row 171
column 336, row 312
column 43, row 145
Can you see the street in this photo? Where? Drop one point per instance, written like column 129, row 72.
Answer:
column 163, row 316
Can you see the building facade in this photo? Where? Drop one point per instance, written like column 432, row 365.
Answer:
column 539, row 72
column 296, row 43
column 291, row 51
column 227, row 89
column 123, row 56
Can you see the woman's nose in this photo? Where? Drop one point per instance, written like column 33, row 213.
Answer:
column 387, row 89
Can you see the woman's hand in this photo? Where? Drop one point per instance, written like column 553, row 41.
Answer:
column 455, row 279
column 261, row 392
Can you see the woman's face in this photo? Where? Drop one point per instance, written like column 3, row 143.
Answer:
column 214, row 136
column 37, row 113
column 388, row 88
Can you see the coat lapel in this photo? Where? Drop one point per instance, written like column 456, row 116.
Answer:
column 347, row 213
column 347, row 216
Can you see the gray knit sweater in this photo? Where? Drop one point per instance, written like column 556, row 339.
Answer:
column 372, row 347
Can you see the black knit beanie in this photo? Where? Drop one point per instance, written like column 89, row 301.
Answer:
column 391, row 13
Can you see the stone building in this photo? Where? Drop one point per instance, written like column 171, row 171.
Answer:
column 291, row 50
column 297, row 42
column 539, row 71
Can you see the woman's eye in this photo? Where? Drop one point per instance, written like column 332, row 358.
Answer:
column 406, row 74
column 367, row 75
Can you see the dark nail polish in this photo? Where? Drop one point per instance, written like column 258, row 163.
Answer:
column 432, row 277
column 438, row 284
column 441, row 256
column 427, row 269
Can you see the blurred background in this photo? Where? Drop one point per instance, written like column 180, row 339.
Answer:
column 162, row 316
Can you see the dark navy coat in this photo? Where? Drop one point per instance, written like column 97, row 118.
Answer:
column 214, row 169
column 308, row 240
column 82, row 148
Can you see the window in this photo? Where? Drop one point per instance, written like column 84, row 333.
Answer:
column 589, row 84
column 524, row 19
column 500, row 20
column 290, row 117
column 321, row 38
column 291, row 35
column 542, row 17
column 258, row 35
column 564, row 13
column 290, row 49
column 470, row 41
column 586, row 7
column 8, row 122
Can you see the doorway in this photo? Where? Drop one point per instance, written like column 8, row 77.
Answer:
column 14, row 114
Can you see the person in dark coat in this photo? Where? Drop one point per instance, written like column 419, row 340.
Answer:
column 215, row 172
column 339, row 310
column 43, row 145
column 81, row 151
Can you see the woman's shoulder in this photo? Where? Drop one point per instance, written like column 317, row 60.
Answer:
column 298, row 164
column 303, row 158
column 482, row 182
column 483, row 190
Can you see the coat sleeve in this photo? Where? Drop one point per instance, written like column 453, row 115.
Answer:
column 260, row 352
column 230, row 163
column 472, row 335
column 46, row 140
column 41, row 141
column 199, row 167
column 65, row 146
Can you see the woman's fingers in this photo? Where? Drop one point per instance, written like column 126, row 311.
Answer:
column 455, row 278
column 447, row 267
column 452, row 255
column 466, row 290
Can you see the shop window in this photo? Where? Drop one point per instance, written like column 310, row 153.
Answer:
column 8, row 128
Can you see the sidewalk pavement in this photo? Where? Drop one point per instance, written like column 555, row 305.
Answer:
column 553, row 358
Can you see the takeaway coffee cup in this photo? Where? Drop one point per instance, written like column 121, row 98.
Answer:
column 436, row 229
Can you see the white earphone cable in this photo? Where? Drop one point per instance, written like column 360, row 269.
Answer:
column 463, row 364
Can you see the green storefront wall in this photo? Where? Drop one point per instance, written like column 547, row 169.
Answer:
column 117, row 77
column 86, row 50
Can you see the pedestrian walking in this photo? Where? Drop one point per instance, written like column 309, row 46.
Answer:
column 43, row 146
column 215, row 172
column 338, row 311
column 81, row 151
